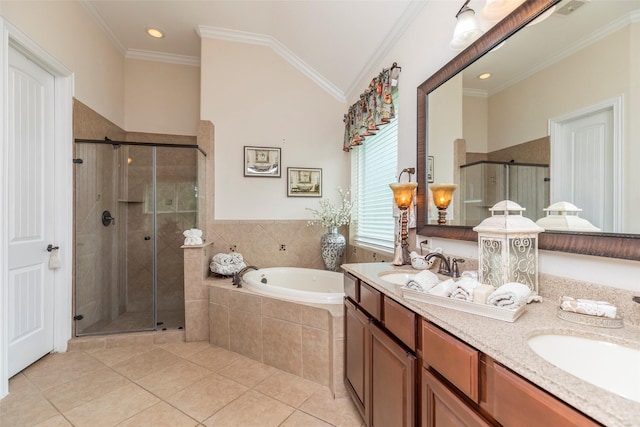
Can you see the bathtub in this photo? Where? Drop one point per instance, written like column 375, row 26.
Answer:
column 297, row 284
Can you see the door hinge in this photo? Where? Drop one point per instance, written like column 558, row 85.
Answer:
column 77, row 161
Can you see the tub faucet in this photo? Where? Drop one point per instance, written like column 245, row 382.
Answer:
column 237, row 277
column 445, row 265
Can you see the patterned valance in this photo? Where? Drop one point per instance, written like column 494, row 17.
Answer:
column 374, row 109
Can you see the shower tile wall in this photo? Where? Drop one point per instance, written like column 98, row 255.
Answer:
column 101, row 257
column 96, row 242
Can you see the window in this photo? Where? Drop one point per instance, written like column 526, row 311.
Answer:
column 373, row 168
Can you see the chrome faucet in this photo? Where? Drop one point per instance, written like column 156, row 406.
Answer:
column 447, row 267
column 237, row 277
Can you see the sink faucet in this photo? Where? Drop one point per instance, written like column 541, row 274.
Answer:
column 447, row 267
column 237, row 277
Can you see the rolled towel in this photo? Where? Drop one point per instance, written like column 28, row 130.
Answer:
column 587, row 306
column 227, row 264
column 443, row 289
column 464, row 288
column 510, row 295
column 422, row 281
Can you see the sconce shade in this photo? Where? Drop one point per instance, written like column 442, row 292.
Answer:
column 442, row 194
column 403, row 193
column 467, row 29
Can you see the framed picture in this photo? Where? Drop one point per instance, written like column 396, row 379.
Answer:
column 304, row 182
column 430, row 169
column 262, row 161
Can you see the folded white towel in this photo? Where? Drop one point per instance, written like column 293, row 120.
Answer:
column 423, row 281
column 587, row 306
column 443, row 289
column 464, row 288
column 193, row 236
column 227, row 264
column 511, row 295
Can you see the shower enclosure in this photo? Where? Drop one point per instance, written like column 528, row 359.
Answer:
column 485, row 183
column 132, row 203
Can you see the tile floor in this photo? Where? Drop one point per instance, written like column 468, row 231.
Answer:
column 174, row 384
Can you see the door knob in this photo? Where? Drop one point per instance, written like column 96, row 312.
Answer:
column 107, row 219
column 50, row 247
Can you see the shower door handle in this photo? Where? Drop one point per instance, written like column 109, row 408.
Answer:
column 147, row 237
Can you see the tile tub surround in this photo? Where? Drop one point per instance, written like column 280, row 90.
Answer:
column 507, row 342
column 306, row 340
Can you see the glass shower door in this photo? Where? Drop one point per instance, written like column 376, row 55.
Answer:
column 113, row 239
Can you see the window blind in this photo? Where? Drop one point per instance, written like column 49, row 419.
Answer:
column 373, row 168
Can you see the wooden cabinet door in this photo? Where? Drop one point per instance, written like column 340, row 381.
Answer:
column 442, row 408
column 392, row 382
column 357, row 356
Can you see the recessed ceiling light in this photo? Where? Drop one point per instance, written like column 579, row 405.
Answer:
column 484, row 76
column 155, row 33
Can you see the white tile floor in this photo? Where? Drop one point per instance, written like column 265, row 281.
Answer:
column 173, row 384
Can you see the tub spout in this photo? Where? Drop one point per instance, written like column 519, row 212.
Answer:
column 237, row 277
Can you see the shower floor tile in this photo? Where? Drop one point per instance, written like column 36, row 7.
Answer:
column 136, row 321
column 172, row 384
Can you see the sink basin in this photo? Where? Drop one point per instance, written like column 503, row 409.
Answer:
column 613, row 367
column 397, row 278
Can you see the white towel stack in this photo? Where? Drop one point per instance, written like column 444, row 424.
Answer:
column 511, row 295
column 227, row 264
column 443, row 289
column 464, row 288
column 422, row 281
column 587, row 306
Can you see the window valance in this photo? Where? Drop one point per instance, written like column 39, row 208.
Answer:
column 374, row 109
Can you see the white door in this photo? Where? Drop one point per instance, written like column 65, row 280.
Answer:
column 585, row 167
column 30, row 211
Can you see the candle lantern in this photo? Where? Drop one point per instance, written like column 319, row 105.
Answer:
column 508, row 247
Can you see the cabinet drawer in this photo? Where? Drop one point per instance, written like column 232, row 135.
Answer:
column 452, row 358
column 351, row 288
column 371, row 300
column 401, row 322
column 516, row 402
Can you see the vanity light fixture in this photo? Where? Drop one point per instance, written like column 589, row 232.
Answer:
column 495, row 10
column 442, row 195
column 154, row 32
column 403, row 196
column 467, row 28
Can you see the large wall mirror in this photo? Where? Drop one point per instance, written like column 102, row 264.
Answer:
column 561, row 102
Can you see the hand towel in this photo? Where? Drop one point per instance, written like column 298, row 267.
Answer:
column 587, row 306
column 510, row 295
column 443, row 289
column 464, row 289
column 422, row 281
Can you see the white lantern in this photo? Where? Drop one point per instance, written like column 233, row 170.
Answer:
column 508, row 247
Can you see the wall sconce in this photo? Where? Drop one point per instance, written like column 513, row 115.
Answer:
column 403, row 195
column 467, row 28
column 442, row 195
column 508, row 247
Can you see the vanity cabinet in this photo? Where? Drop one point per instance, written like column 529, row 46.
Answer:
column 380, row 369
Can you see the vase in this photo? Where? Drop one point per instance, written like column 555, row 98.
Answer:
column 332, row 245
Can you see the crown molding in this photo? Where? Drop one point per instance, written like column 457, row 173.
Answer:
column 91, row 9
column 148, row 55
column 273, row 43
column 370, row 69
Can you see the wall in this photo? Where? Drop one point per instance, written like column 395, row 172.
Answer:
column 147, row 109
column 66, row 31
column 254, row 97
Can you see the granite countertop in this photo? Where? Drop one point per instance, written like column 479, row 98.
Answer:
column 507, row 343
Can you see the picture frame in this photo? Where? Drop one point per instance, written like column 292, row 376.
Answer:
column 262, row 162
column 430, row 169
column 304, row 182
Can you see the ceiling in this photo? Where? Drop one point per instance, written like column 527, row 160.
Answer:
column 338, row 41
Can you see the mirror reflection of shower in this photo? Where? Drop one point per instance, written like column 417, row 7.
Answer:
column 132, row 203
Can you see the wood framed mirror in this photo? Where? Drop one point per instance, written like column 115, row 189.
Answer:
column 606, row 244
